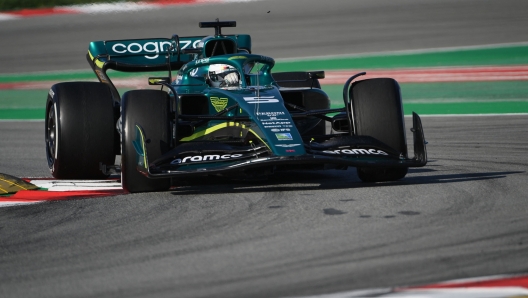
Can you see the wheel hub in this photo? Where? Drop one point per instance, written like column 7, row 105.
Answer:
column 50, row 133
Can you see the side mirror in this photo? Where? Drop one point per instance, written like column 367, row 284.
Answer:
column 159, row 81
column 320, row 74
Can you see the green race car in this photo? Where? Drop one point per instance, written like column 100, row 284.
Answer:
column 224, row 113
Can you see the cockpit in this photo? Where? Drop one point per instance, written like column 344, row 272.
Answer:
column 231, row 72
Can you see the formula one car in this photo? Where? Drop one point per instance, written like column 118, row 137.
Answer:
column 225, row 113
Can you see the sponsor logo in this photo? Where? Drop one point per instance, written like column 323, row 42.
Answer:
column 237, row 57
column 262, row 99
column 148, row 47
column 279, row 130
column 271, row 119
column 185, row 43
column 153, row 47
column 219, row 103
column 284, row 136
column 202, row 61
column 288, row 145
column 357, row 152
column 193, row 72
column 290, row 150
column 270, row 114
column 51, row 93
column 276, row 123
column 211, row 157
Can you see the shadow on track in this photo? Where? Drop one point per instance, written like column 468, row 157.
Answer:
column 317, row 180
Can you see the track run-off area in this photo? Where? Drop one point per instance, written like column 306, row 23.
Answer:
column 461, row 65
column 474, row 80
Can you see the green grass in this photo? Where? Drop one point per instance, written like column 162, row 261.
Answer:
column 503, row 107
column 511, row 55
column 455, row 98
column 465, row 91
column 486, row 91
column 22, row 99
column 81, row 75
column 424, row 98
column 25, row 104
column 22, row 114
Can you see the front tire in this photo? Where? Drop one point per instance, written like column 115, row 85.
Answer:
column 378, row 112
column 149, row 109
column 79, row 130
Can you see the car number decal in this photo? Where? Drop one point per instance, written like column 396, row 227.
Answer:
column 262, row 99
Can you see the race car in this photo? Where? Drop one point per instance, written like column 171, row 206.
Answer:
column 224, row 113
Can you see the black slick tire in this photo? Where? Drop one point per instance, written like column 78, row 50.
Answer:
column 149, row 109
column 79, row 130
column 378, row 112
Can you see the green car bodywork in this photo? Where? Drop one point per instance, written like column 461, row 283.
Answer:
column 268, row 111
column 260, row 122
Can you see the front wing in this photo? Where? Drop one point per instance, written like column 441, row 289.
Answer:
column 358, row 152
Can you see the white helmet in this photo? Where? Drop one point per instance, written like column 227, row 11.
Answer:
column 223, row 75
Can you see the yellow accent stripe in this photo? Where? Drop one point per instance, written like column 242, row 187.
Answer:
column 217, row 127
column 13, row 184
column 143, row 145
column 210, row 130
column 3, row 190
column 255, row 134
column 97, row 62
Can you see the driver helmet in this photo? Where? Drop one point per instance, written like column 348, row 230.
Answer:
column 223, row 75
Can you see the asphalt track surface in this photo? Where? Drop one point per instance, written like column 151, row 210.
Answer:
column 301, row 233
column 290, row 29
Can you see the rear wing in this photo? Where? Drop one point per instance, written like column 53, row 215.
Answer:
column 142, row 55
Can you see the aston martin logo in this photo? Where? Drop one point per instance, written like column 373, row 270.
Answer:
column 219, row 103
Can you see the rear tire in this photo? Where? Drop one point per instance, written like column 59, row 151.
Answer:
column 149, row 109
column 378, row 112
column 79, row 130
